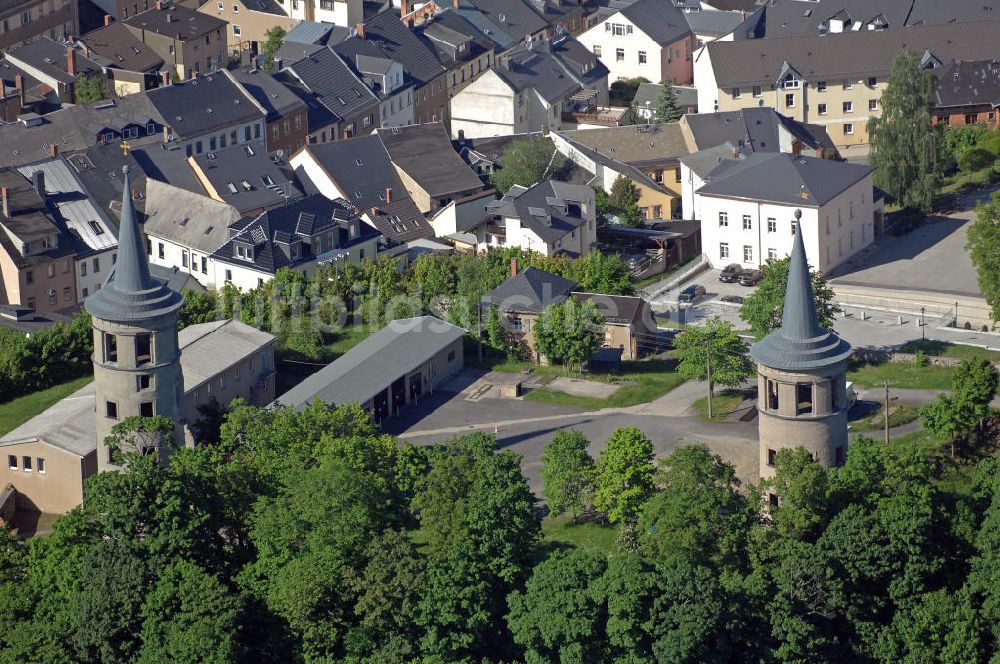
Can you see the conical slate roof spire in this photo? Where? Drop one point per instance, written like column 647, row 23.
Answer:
column 801, row 342
column 130, row 294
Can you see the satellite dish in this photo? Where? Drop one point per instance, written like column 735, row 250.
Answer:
column 280, row 153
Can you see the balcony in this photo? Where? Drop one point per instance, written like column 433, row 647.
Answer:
column 600, row 116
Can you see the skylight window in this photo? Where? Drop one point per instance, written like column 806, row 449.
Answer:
column 96, row 227
column 232, row 188
column 266, row 179
column 246, row 186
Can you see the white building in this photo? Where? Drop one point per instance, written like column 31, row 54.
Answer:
column 649, row 38
column 339, row 12
column 747, row 209
column 550, row 217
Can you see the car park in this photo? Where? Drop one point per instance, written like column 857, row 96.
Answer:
column 690, row 294
column 730, row 273
column 750, row 277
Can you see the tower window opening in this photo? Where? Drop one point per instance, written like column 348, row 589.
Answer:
column 110, row 347
column 804, row 398
column 143, row 349
column 772, row 395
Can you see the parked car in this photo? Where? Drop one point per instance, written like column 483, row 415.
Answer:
column 690, row 294
column 750, row 277
column 730, row 273
column 732, row 299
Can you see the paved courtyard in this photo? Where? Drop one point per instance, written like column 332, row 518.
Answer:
column 527, row 426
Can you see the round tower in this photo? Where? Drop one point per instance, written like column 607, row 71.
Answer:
column 801, row 377
column 137, row 368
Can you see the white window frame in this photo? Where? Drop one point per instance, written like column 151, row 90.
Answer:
column 723, row 250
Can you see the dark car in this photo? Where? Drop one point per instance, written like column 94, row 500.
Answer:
column 730, row 273
column 750, row 277
column 690, row 294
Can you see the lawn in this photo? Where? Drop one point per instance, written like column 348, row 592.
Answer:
column 561, row 531
column 644, row 381
column 344, row 340
column 944, row 349
column 18, row 411
column 899, row 414
column 723, row 404
column 902, row 376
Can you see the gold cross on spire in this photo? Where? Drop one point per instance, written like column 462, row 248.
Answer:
column 124, row 145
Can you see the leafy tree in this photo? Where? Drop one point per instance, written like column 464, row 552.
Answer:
column 762, row 309
column 495, row 331
column 189, row 616
column 624, row 475
column 716, row 345
column 89, row 89
column 569, row 332
column 567, row 473
column 624, row 200
column 801, row 485
column 974, row 159
column 597, row 272
column 905, row 147
column 557, row 617
column 605, row 210
column 524, row 162
column 136, row 436
column 698, row 514
column 955, row 415
column 983, row 245
column 198, row 307
column 207, row 429
column 275, row 37
column 668, row 109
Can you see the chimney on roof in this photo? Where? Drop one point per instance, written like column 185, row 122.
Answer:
column 54, row 150
column 19, row 84
column 107, row 19
column 194, row 74
column 166, row 134
column 165, row 78
column 70, row 61
column 38, row 182
column 360, row 29
column 158, row 5
column 736, row 153
column 5, row 200
column 456, row 4
column 513, row 267
column 404, row 8
column 388, row 195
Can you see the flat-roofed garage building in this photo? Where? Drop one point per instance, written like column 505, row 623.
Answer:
column 394, row 367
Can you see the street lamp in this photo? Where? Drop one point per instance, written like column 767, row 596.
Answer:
column 922, row 323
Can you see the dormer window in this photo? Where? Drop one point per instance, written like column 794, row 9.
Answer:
column 353, row 230
column 243, row 252
column 790, row 83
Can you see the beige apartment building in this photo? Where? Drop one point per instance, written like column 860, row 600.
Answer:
column 24, row 19
column 249, row 21
column 836, row 80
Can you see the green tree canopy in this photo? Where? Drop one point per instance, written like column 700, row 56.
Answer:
column 762, row 309
column 983, row 245
column 567, row 473
column 668, row 109
column 624, row 475
column 624, row 201
column 523, row 162
column 89, row 89
column 904, row 145
column 569, row 332
column 716, row 346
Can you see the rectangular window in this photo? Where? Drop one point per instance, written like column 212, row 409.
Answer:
column 803, row 399
column 723, row 219
column 770, row 456
column 97, row 265
column 848, row 129
column 229, row 275
column 52, row 271
column 723, row 250
column 12, row 461
column 83, row 268
column 451, row 356
column 143, row 348
column 747, row 253
column 67, row 294
column 794, row 226
column 772, row 254
column 758, row 91
column 597, row 50
column 873, row 104
column 642, row 57
column 29, row 277
column 619, row 55
column 736, row 93
column 790, row 100
column 26, row 464
column 840, row 457
column 772, row 225
column 848, row 85
column 204, row 265
column 41, row 465
column 747, row 223
column 142, row 382
column 160, row 251
column 821, row 86
column 52, row 297
column 111, row 410
column 237, row 31
column 848, row 106
column 146, row 409
column 110, row 347
column 821, row 108
column 871, row 81
column 184, row 259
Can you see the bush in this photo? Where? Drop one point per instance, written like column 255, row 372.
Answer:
column 975, row 159
column 920, row 359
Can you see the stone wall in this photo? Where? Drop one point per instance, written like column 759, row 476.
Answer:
column 8, row 499
column 873, row 356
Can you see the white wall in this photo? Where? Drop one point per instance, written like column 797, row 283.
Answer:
column 824, row 250
column 92, row 281
column 460, row 217
column 319, row 177
column 173, row 256
column 600, row 36
column 487, row 107
column 690, row 182
column 704, row 81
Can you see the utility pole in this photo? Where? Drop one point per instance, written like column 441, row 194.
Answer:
column 708, row 371
column 479, row 324
column 885, row 413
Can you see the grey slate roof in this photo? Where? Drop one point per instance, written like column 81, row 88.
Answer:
column 525, row 204
column 554, row 69
column 68, row 424
column 752, row 130
column 714, row 24
column 207, row 349
column 662, row 21
column 529, row 292
column 932, row 12
column 372, row 365
column 308, row 32
column 206, row 104
column 783, row 178
column 116, row 46
column 50, row 57
column 337, row 89
column 514, row 18
column 968, row 84
column 258, row 181
column 467, row 10
column 276, row 99
column 362, row 170
column 846, row 55
column 130, row 293
column 425, row 154
column 176, row 20
column 271, row 233
column 187, row 218
column 791, row 18
column 29, row 220
column 447, row 29
column 800, row 343
column 704, row 161
column 397, row 42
